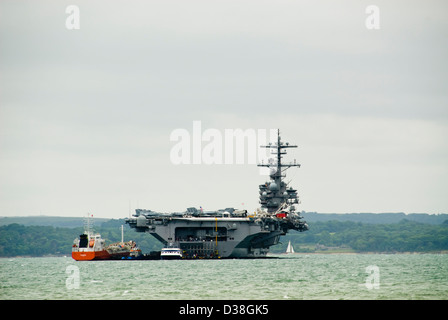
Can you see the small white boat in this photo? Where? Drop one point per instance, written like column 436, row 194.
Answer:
column 171, row 253
column 290, row 248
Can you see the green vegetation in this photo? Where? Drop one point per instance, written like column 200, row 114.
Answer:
column 20, row 240
column 16, row 240
column 348, row 236
column 376, row 218
column 323, row 236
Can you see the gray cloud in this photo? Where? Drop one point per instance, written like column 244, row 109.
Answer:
column 85, row 115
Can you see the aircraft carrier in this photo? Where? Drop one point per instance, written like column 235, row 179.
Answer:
column 231, row 233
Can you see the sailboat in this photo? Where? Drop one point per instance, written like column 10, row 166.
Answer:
column 289, row 249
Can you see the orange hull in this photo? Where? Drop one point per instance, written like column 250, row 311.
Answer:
column 91, row 255
column 97, row 255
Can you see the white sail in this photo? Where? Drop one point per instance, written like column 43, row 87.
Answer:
column 290, row 249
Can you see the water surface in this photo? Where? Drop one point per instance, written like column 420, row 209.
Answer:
column 299, row 276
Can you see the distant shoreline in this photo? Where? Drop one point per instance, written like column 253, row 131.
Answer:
column 47, row 237
column 280, row 255
column 370, row 252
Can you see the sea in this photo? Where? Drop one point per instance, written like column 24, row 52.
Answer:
column 282, row 277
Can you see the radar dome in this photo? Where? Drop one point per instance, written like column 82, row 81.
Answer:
column 273, row 186
column 141, row 221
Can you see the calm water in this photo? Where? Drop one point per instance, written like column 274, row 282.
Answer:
column 336, row 276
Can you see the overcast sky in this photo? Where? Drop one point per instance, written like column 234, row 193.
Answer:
column 86, row 115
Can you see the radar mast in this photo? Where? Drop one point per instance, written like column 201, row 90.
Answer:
column 275, row 195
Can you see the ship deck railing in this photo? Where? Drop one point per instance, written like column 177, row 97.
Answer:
column 203, row 239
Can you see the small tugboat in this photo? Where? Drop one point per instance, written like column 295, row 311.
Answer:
column 91, row 246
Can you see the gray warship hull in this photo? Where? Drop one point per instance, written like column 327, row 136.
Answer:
column 222, row 236
column 230, row 233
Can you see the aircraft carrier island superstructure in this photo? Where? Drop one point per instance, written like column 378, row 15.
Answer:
column 231, row 233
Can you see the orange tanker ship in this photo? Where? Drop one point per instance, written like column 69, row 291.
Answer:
column 91, row 246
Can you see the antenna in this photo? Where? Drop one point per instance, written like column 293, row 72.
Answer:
column 88, row 224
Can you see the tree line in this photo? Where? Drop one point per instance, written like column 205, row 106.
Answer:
column 20, row 240
column 405, row 236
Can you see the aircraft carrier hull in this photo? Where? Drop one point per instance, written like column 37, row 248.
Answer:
column 212, row 237
column 230, row 233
